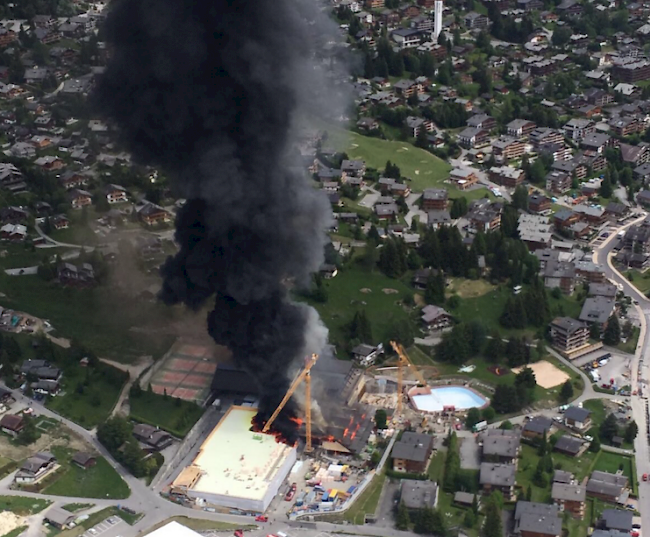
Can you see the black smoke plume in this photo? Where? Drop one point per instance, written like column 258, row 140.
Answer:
column 211, row 91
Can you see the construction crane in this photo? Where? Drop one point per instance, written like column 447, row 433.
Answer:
column 304, row 374
column 404, row 361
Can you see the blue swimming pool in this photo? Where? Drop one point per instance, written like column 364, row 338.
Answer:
column 457, row 396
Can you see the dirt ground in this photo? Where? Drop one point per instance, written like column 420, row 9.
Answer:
column 470, row 288
column 9, row 521
column 546, row 374
column 61, row 436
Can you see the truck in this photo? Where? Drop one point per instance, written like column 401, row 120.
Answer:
column 480, row 426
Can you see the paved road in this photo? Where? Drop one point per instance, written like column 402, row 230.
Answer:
column 638, row 367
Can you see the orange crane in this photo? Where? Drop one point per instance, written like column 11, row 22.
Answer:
column 402, row 362
column 304, row 374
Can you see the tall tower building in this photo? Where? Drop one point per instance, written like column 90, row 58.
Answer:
column 437, row 19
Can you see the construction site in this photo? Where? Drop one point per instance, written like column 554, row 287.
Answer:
column 241, row 469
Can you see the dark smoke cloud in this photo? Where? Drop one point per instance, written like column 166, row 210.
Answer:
column 211, row 91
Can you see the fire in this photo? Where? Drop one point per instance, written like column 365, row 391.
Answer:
column 347, row 429
column 297, row 421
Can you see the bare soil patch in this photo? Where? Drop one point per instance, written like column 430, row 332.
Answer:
column 388, row 291
column 546, row 374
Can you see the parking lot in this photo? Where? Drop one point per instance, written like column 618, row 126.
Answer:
column 617, row 367
column 110, row 523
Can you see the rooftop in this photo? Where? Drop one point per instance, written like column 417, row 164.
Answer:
column 235, row 461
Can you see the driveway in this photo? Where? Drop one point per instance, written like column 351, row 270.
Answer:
column 470, row 452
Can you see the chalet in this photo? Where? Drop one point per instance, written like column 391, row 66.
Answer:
column 500, row 446
column 84, row 460
column 482, row 121
column 353, row 168
column 407, row 88
column 70, row 180
column 578, row 418
column 49, row 163
column 412, row 452
column 537, row 427
column 534, row 519
column 577, row 128
column 13, row 232
column 538, row 203
column 473, row 137
column 35, row 468
column 60, row 222
column 70, row 275
column 507, row 176
column 79, row 198
column 152, row 214
column 520, row 128
column 616, row 211
column 463, row 178
column 12, row 424
column 435, row 318
column 416, row 124
column 435, row 199
column 367, row 124
column 13, row 215
column 608, row 487
column 494, row 476
column 417, row 495
column 570, row 498
column 484, row 216
column 421, row 277
column 507, row 148
column 558, row 182
column 474, row 20
column 570, row 445
column 151, row 438
column 115, row 194
column 597, row 309
column 366, row 354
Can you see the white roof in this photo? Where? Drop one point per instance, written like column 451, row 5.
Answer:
column 238, row 462
column 174, row 529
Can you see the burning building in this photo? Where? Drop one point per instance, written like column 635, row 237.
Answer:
column 237, row 468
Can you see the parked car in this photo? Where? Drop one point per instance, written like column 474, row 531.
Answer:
column 261, row 518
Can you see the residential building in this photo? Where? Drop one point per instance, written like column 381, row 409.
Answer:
column 417, row 495
column 151, row 438
column 435, row 318
column 482, row 121
column 570, row 498
column 569, row 334
column 437, row 219
column 59, row 518
column 597, row 309
column 520, row 128
column 577, row 128
column 608, row 487
column 501, row 477
column 570, row 445
column 152, row 214
column 558, row 182
column 538, row 203
column 79, row 198
column 84, row 460
column 534, row 519
column 476, row 21
column 501, row 446
column 484, row 215
column 507, row 176
column 412, row 452
column 631, row 70
column 435, row 199
column 578, row 418
column 560, row 274
column 616, row 519
column 353, row 168
column 463, row 178
column 12, row 424
column 366, row 355
column 537, row 427
column 473, row 137
column 115, row 194
column 35, row 468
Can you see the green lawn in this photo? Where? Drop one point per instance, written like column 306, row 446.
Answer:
column 22, row 506
column 424, row 169
column 19, row 256
column 598, row 413
column 16, row 531
column 418, row 357
column 613, row 462
column 367, row 502
column 345, row 298
column 75, row 507
column 487, row 309
column 630, row 345
column 90, row 393
column 100, row 481
column 436, row 468
column 112, row 324
column 640, row 280
column 168, row 413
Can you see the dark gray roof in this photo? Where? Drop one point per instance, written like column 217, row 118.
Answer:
column 566, row 491
column 615, row 479
column 577, row 414
column 413, row 447
column 501, row 446
column 539, row 424
column 502, row 475
column 609, row 533
column 560, row 476
column 567, row 324
column 602, row 289
column 59, row 516
column 569, row 444
column 615, row 519
column 536, row 517
column 602, row 488
column 464, row 497
column 597, row 309
column 418, row 494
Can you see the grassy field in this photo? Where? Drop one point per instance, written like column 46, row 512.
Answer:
column 436, row 468
column 613, row 462
column 598, row 413
column 424, row 169
column 75, row 507
column 418, row 357
column 100, row 481
column 22, row 506
column 171, row 414
column 16, row 531
column 89, row 405
column 487, row 308
column 465, row 288
column 117, row 327
column 640, row 280
column 200, row 525
column 19, row 256
column 367, row 502
column 345, row 298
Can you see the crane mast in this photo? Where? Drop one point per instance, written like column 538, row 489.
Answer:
column 404, row 361
column 305, row 375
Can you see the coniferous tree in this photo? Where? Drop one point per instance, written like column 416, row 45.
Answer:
column 612, row 334
column 403, row 519
column 566, row 392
